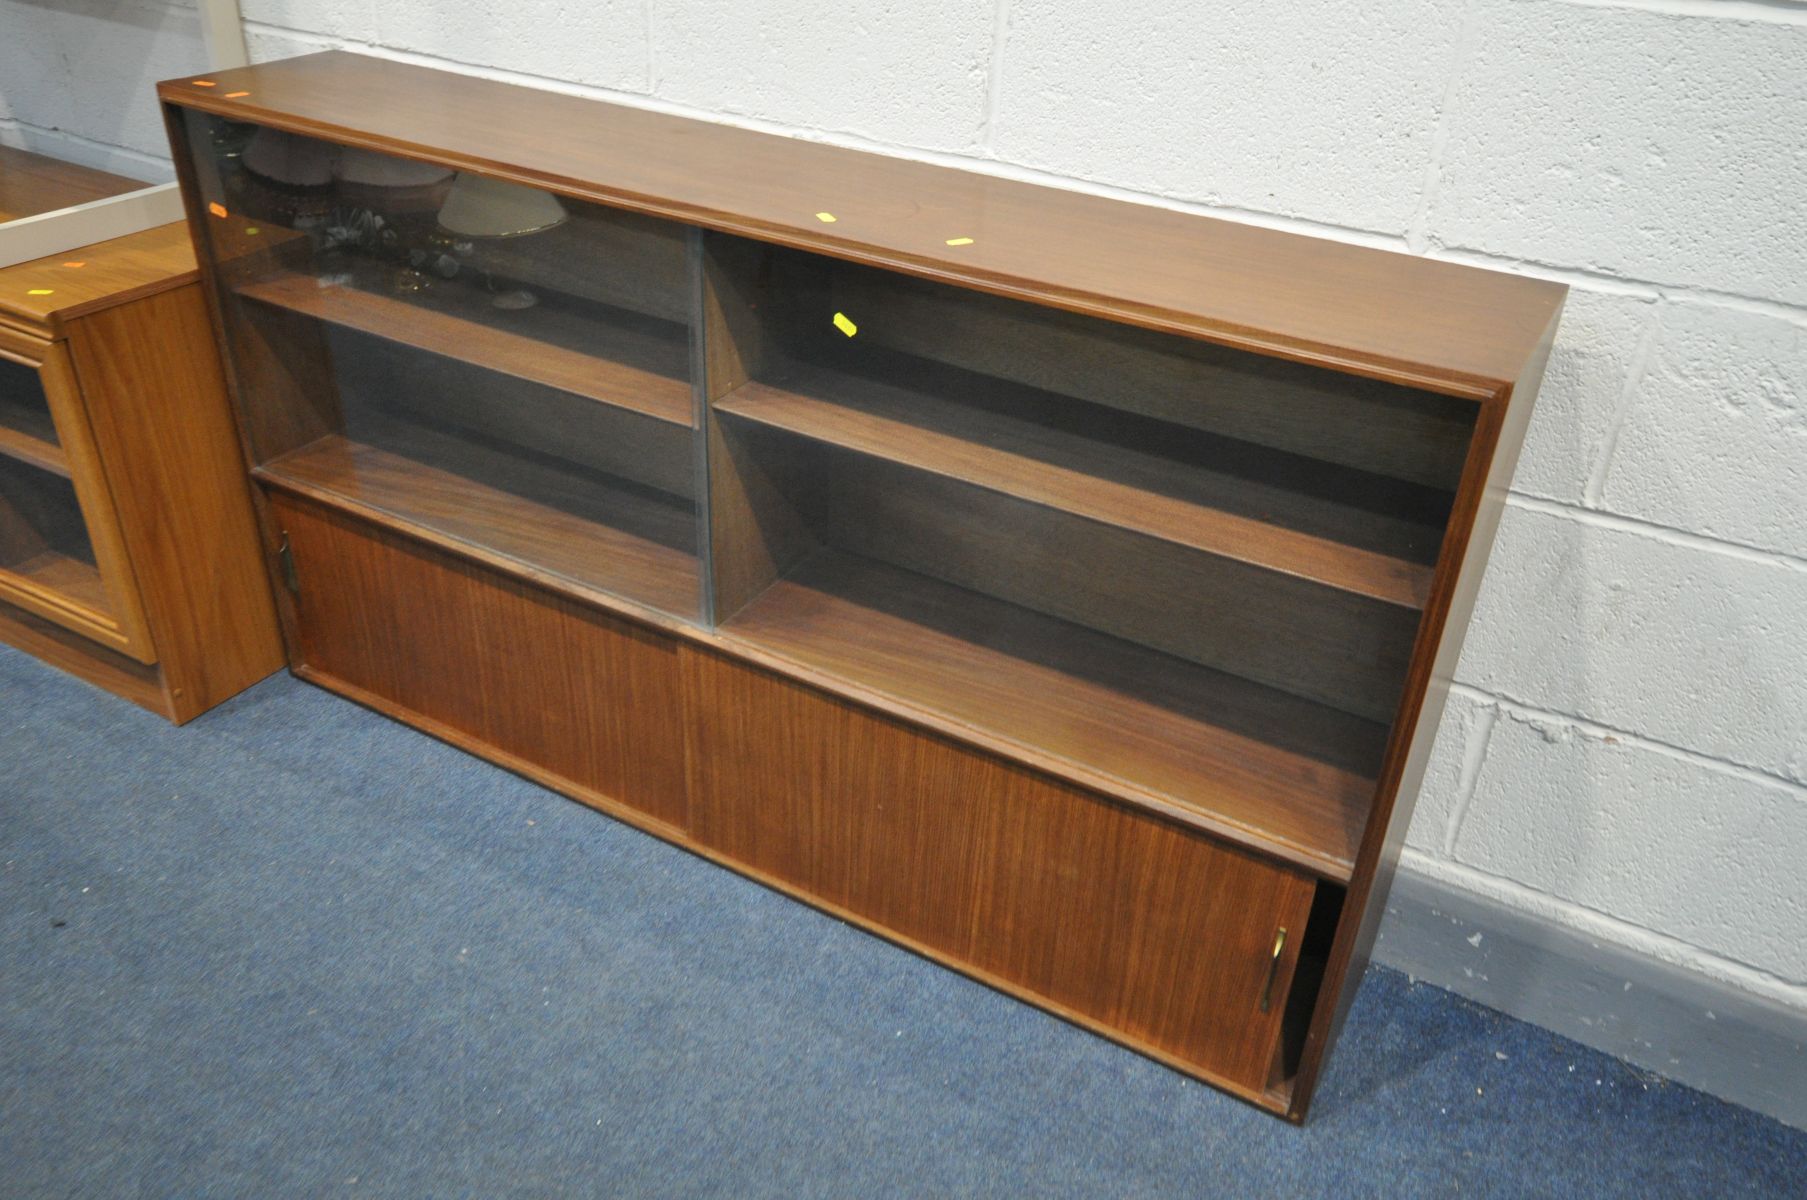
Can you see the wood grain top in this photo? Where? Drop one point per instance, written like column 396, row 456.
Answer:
column 31, row 184
column 1442, row 326
column 42, row 294
column 1289, row 776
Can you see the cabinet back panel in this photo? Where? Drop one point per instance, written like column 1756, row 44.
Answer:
column 1345, row 419
column 1333, row 647
column 379, row 375
column 39, row 514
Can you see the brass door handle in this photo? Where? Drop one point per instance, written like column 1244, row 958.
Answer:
column 1273, row 969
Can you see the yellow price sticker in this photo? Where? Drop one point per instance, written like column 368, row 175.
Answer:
column 959, row 241
column 41, row 292
column 844, row 325
column 826, row 218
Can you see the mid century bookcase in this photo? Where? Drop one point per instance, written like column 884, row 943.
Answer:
column 1065, row 589
column 129, row 552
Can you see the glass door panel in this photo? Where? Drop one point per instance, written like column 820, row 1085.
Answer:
column 480, row 362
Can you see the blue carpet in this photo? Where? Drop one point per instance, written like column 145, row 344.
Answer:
column 296, row 949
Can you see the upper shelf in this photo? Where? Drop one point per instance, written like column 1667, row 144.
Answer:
column 28, row 434
column 1342, row 528
column 631, row 361
column 1442, row 326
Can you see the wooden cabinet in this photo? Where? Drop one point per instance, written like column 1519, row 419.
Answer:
column 128, row 549
column 1064, row 589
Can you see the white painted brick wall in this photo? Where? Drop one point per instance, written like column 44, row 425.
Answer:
column 908, row 74
column 1461, row 737
column 1584, row 387
column 1681, row 643
column 1624, row 829
column 1646, row 145
column 78, row 76
column 1180, row 100
column 1651, row 580
column 597, row 42
column 1715, row 437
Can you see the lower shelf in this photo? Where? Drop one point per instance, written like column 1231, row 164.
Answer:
column 579, row 527
column 1285, row 775
column 71, row 578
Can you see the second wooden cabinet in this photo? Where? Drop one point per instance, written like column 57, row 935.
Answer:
column 128, row 547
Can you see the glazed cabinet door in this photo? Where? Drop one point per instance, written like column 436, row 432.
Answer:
column 62, row 556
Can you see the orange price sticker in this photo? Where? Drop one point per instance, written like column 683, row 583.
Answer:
column 236, row 95
column 217, row 209
column 205, row 83
column 75, row 264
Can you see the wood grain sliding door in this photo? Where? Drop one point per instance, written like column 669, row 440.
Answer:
column 563, row 693
column 1161, row 937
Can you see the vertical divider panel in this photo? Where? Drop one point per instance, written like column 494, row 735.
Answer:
column 696, row 287
column 754, row 533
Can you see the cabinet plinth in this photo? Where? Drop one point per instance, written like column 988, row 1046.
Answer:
column 1074, row 605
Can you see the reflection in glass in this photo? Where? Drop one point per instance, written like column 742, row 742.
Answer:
column 487, row 361
column 78, row 86
column 24, row 409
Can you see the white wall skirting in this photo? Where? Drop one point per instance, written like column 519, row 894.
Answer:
column 1682, row 1025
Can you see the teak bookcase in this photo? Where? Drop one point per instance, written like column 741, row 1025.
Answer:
column 1063, row 588
column 128, row 545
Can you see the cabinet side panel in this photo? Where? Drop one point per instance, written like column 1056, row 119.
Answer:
column 157, row 404
column 591, row 699
column 1162, row 935
column 755, row 533
column 1493, row 457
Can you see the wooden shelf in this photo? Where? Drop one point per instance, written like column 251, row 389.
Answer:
column 27, row 430
column 69, row 580
column 553, row 521
column 1335, row 526
column 625, row 359
column 1272, row 771
column 31, row 448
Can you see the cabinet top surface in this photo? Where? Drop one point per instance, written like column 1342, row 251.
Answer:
column 1452, row 328
column 41, row 294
